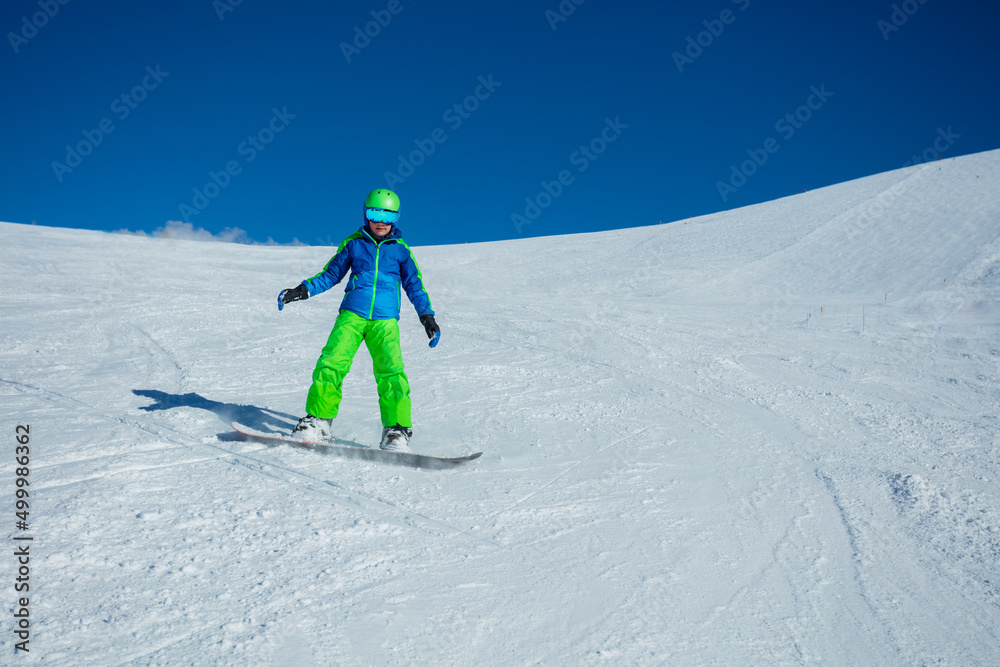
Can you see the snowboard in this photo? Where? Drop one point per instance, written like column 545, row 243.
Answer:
column 352, row 452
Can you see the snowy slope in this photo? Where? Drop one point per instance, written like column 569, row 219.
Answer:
column 765, row 436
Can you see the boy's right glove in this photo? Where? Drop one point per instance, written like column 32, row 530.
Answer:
column 432, row 329
column 300, row 293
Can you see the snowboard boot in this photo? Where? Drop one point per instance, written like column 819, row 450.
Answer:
column 396, row 438
column 313, row 429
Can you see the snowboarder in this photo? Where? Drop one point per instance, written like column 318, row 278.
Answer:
column 380, row 262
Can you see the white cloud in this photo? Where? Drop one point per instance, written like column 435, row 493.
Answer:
column 186, row 231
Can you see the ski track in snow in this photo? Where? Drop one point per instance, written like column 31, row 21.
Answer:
column 686, row 460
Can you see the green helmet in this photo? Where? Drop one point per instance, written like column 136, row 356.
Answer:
column 387, row 200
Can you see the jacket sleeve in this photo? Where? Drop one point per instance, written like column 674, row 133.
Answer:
column 333, row 272
column 413, row 283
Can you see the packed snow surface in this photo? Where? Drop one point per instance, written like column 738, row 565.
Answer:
column 765, row 436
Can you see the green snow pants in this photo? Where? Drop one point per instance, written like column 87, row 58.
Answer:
column 382, row 339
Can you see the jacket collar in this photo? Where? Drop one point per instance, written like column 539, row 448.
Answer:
column 393, row 235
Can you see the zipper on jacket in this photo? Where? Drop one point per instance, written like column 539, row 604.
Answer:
column 371, row 311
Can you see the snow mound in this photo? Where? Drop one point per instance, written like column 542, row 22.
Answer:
column 963, row 526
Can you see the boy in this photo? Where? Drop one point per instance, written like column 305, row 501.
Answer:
column 380, row 262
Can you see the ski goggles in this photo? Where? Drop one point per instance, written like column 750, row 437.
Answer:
column 382, row 215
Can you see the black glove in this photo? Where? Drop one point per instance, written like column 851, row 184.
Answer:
column 300, row 293
column 432, row 329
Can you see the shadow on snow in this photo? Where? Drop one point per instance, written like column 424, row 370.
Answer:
column 262, row 420
column 259, row 419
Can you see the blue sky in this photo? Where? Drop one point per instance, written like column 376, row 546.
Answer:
column 491, row 120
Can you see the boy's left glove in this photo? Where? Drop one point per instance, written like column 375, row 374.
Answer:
column 432, row 329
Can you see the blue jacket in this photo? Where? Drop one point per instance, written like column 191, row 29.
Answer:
column 378, row 270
